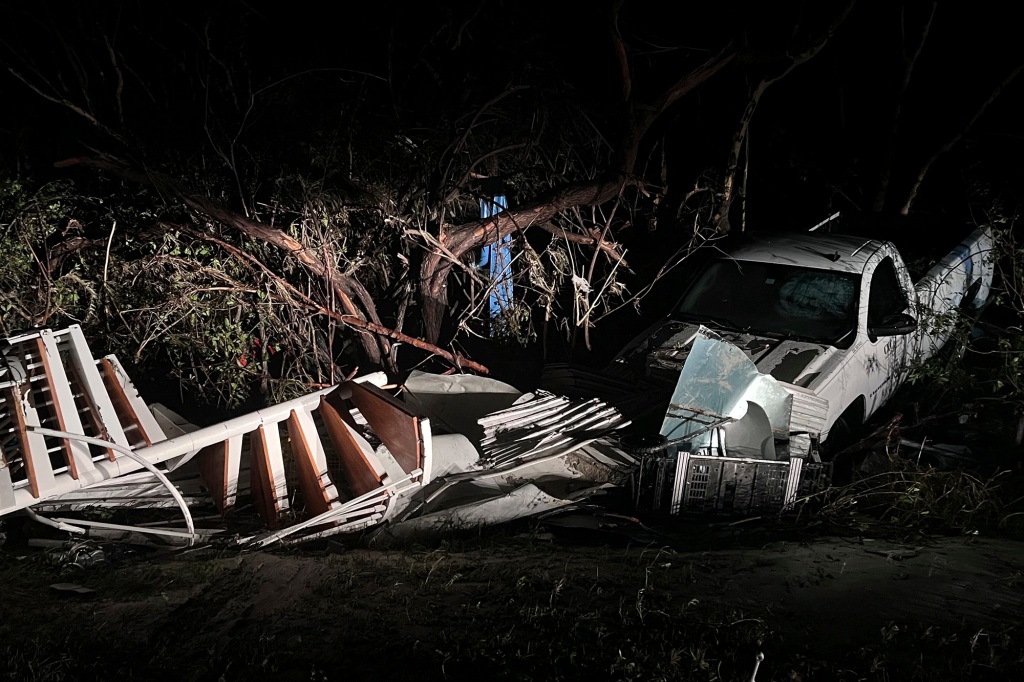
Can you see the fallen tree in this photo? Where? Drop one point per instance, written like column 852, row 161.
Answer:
column 353, row 193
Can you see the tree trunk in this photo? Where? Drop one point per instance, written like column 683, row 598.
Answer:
column 455, row 241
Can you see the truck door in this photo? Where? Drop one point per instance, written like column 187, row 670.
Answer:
column 887, row 361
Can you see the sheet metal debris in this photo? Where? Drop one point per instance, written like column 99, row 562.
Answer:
column 726, row 443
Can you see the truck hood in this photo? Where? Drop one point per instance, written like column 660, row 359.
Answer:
column 665, row 350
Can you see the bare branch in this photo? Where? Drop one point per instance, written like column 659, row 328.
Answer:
column 342, row 284
column 611, row 249
column 456, row 359
column 120, row 79
column 909, row 63
column 66, row 103
column 739, row 139
column 952, row 142
column 619, row 47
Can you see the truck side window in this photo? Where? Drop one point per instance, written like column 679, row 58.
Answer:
column 887, row 296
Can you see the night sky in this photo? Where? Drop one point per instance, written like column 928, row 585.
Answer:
column 813, row 141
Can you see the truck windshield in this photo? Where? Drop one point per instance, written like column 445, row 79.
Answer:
column 776, row 300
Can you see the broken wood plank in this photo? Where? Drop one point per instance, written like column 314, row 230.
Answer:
column 219, row 465
column 94, row 390
column 403, row 433
column 129, row 406
column 76, row 453
column 362, row 471
column 33, row 446
column 269, row 489
column 318, row 491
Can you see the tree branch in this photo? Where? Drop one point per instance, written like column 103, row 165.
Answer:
column 952, row 142
column 611, row 249
column 456, row 359
column 909, row 62
column 341, row 284
column 740, row 138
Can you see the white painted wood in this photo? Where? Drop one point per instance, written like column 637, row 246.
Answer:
column 275, row 465
column 231, row 468
column 64, row 405
column 93, row 386
column 147, row 421
column 42, row 470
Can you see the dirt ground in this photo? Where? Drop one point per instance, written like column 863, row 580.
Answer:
column 530, row 603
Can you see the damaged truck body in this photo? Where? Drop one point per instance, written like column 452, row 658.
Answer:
column 777, row 352
column 828, row 325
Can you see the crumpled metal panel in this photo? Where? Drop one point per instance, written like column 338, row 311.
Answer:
column 715, row 383
column 809, row 410
column 810, row 413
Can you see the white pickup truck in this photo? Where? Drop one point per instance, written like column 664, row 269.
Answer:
column 834, row 320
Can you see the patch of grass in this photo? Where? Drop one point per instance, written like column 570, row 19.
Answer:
column 499, row 611
column 909, row 496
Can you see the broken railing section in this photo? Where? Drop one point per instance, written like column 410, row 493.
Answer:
column 538, row 454
column 51, row 381
column 59, row 406
column 75, row 434
column 375, row 478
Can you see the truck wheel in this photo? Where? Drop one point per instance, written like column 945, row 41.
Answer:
column 842, row 435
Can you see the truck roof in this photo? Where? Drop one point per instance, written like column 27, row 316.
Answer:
column 843, row 253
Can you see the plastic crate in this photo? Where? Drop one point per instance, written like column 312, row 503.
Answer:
column 682, row 482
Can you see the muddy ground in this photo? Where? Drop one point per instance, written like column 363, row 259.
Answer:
column 534, row 602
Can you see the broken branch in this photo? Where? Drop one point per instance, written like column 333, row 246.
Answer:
column 456, row 359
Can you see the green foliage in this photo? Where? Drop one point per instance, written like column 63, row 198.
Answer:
column 167, row 303
column 910, row 497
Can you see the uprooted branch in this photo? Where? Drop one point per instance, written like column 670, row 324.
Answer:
column 344, row 287
column 639, row 117
column 455, row 358
column 460, row 239
column 611, row 249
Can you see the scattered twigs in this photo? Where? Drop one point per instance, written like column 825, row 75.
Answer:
column 610, row 249
column 106, row 258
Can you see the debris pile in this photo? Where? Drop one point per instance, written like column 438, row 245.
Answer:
column 441, row 452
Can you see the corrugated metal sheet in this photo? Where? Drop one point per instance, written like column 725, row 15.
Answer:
column 809, row 410
column 545, row 423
